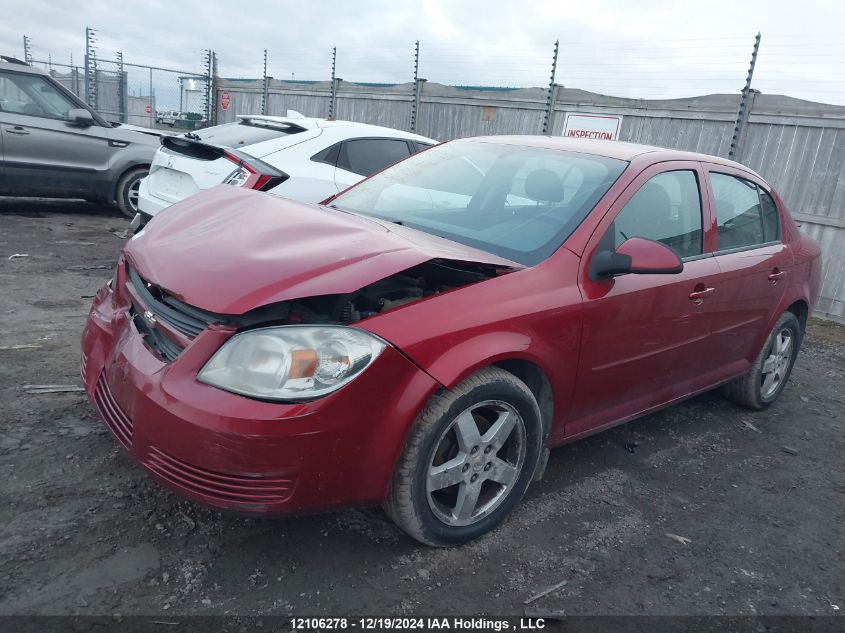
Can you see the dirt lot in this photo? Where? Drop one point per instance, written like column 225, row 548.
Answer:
column 761, row 496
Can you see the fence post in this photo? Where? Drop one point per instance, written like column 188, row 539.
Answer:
column 742, row 113
column 214, row 111
column 27, row 49
column 90, row 68
column 122, row 102
column 208, row 91
column 415, row 104
column 550, row 99
column 264, row 86
column 333, row 95
column 152, row 101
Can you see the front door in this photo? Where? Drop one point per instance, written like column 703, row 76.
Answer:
column 43, row 153
column 644, row 335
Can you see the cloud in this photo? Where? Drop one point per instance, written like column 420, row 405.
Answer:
column 651, row 48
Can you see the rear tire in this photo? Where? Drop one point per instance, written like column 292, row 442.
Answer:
column 764, row 381
column 126, row 195
column 489, row 429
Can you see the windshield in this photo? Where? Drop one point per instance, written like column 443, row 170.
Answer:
column 516, row 202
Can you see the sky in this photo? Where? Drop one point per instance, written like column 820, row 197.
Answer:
column 645, row 48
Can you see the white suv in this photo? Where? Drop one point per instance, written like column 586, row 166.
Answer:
column 295, row 157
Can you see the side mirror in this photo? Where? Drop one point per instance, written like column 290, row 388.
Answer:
column 637, row 256
column 80, row 116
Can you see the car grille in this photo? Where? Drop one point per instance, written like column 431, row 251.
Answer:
column 169, row 311
column 117, row 421
column 82, row 364
column 167, row 349
column 216, row 485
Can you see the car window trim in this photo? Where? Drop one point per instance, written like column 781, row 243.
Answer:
column 750, row 247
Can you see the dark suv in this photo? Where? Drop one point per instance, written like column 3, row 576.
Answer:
column 53, row 145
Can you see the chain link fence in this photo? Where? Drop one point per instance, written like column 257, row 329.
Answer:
column 137, row 94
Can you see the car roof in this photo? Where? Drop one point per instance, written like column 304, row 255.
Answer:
column 612, row 149
column 19, row 66
column 310, row 123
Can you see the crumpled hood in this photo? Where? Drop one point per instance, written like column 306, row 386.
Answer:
column 229, row 250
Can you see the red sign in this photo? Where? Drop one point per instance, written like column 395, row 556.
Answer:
column 148, row 108
column 225, row 100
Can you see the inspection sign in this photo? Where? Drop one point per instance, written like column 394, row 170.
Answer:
column 601, row 126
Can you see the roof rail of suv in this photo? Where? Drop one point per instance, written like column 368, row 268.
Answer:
column 13, row 60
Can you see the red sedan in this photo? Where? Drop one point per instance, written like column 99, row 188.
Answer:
column 422, row 339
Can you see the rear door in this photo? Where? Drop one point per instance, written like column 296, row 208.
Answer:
column 43, row 153
column 644, row 335
column 362, row 157
column 754, row 267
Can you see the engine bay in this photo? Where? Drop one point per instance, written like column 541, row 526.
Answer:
column 430, row 278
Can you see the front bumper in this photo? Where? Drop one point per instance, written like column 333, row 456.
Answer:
column 233, row 452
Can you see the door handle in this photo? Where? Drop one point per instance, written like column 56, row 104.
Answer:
column 777, row 274
column 17, row 130
column 702, row 293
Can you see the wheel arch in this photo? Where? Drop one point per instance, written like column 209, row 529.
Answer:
column 536, row 380
column 120, row 173
column 801, row 309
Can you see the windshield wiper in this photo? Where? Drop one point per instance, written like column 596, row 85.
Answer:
column 193, row 136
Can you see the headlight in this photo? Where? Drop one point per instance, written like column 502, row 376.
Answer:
column 293, row 362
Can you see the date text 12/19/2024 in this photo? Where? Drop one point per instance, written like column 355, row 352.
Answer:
column 454, row 623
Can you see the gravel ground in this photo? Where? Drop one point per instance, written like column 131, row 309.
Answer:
column 760, row 496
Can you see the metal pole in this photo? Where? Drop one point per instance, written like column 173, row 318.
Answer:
column 264, row 86
column 333, row 96
column 742, row 113
column 27, row 49
column 415, row 104
column 214, row 111
column 550, row 99
column 90, row 68
column 152, row 101
column 121, row 89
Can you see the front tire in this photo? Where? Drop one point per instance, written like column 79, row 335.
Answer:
column 766, row 378
column 126, row 195
column 468, row 460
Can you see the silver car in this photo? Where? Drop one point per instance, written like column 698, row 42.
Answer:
column 53, row 145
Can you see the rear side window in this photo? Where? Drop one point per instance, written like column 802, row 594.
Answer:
column 666, row 209
column 245, row 133
column 745, row 214
column 365, row 156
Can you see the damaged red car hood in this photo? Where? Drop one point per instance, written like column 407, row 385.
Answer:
column 229, row 250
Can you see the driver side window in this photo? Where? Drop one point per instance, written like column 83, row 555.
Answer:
column 32, row 95
column 666, row 209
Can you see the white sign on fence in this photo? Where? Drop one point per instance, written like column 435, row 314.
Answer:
column 601, row 126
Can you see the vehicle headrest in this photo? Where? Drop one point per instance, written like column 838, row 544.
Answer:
column 544, row 185
column 653, row 203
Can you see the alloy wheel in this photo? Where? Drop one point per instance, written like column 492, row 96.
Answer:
column 134, row 193
column 776, row 365
column 476, row 463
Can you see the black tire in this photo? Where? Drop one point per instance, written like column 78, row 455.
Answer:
column 408, row 502
column 747, row 390
column 125, row 185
